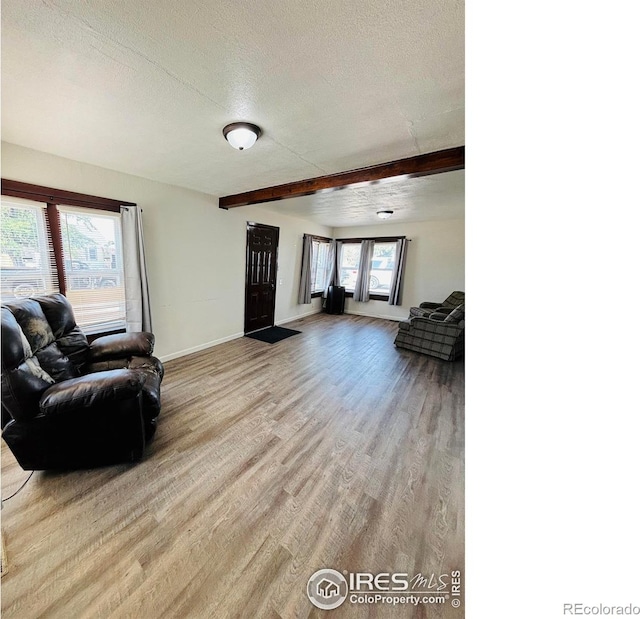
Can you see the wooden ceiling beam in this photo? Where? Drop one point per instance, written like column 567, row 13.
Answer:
column 422, row 165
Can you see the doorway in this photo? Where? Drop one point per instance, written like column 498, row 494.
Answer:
column 261, row 272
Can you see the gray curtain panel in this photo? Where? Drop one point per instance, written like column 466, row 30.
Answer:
column 304, row 292
column 136, row 286
column 333, row 269
column 361, row 292
column 395, row 290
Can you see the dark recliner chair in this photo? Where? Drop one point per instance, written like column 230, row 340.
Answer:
column 69, row 404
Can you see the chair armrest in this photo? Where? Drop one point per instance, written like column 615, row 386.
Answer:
column 419, row 311
column 428, row 323
column 439, row 316
column 91, row 391
column 122, row 345
column 430, row 305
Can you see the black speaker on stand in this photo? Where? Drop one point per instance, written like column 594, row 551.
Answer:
column 335, row 300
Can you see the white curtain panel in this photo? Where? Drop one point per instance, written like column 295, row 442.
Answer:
column 136, row 286
column 395, row 290
column 304, row 292
column 361, row 292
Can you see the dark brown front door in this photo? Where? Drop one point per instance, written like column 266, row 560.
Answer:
column 262, row 259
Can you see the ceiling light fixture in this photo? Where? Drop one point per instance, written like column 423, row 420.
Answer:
column 241, row 135
column 384, row 214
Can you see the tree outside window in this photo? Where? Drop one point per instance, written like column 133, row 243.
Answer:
column 91, row 255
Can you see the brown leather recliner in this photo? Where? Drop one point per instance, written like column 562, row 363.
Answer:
column 70, row 404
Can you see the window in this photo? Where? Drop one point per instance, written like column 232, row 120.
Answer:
column 349, row 264
column 25, row 239
column 319, row 265
column 382, row 266
column 92, row 249
column 90, row 255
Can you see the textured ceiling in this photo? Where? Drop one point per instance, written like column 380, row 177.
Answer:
column 146, row 87
column 426, row 198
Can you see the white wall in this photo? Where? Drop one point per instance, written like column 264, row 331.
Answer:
column 434, row 269
column 195, row 250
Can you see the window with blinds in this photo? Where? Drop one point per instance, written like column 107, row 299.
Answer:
column 27, row 264
column 92, row 250
column 319, row 259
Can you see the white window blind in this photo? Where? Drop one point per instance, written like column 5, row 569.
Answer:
column 27, row 265
column 319, row 257
column 92, row 250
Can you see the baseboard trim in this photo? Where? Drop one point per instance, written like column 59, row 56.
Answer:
column 286, row 320
column 190, row 351
column 223, row 340
column 394, row 318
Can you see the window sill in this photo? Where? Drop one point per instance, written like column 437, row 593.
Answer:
column 372, row 296
column 93, row 332
column 349, row 295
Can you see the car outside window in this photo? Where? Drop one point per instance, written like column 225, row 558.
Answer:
column 382, row 266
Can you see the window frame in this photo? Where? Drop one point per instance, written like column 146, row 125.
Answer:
column 60, row 197
column 84, row 287
column 322, row 240
column 376, row 239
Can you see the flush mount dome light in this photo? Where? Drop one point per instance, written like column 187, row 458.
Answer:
column 384, row 214
column 241, row 135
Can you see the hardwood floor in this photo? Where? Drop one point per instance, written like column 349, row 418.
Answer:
column 330, row 449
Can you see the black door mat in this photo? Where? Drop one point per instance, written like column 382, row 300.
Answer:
column 271, row 335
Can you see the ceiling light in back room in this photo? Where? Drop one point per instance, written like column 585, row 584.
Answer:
column 384, row 214
column 241, row 135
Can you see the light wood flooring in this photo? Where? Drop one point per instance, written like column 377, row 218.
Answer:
column 331, row 449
